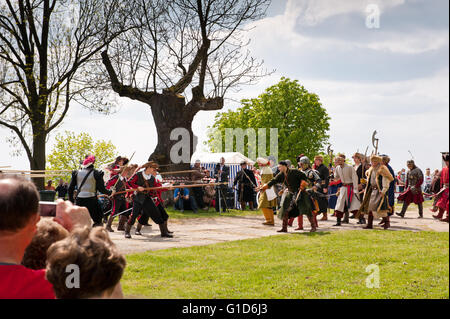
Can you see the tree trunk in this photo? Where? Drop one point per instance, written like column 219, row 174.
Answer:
column 170, row 112
column 38, row 160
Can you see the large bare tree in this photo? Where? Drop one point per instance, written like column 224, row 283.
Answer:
column 44, row 45
column 183, row 58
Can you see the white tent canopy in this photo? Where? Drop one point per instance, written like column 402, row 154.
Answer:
column 231, row 158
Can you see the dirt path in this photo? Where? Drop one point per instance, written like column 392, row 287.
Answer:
column 206, row 231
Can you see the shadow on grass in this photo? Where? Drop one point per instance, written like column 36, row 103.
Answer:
column 315, row 234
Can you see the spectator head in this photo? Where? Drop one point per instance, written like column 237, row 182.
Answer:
column 99, row 262
column 49, row 183
column 19, row 214
column 243, row 164
column 61, row 182
column 222, row 160
column 48, row 232
column 341, row 155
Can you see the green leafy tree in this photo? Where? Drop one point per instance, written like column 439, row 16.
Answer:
column 70, row 149
column 302, row 122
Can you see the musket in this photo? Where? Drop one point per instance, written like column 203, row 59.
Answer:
column 166, row 187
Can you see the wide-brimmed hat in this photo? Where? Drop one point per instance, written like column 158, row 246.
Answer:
column 262, row 161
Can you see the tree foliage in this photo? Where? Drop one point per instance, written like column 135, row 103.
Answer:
column 71, row 148
column 302, row 122
column 44, row 46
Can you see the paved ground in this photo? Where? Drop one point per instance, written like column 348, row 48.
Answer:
column 205, row 231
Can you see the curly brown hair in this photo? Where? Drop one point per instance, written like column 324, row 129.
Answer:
column 48, row 232
column 100, row 263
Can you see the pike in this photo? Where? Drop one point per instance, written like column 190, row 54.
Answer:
column 165, row 187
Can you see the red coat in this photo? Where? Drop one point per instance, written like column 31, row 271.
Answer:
column 410, row 196
column 443, row 198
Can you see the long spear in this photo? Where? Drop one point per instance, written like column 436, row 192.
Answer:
column 171, row 186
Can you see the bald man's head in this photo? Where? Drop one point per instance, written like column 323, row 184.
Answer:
column 19, row 201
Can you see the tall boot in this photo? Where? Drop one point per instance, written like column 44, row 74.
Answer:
column 122, row 220
column 369, row 222
column 109, row 224
column 362, row 220
column 339, row 218
column 268, row 215
column 167, row 229
column 420, row 210
column 313, row 224
column 445, row 219
column 285, row 224
column 251, row 206
column 346, row 218
column 163, row 231
column 324, row 217
column 243, row 206
column 127, row 230
column 315, row 220
column 138, row 229
column 440, row 214
column 404, row 208
column 300, row 222
column 387, row 222
column 290, row 221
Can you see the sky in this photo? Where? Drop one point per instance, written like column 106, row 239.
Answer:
column 393, row 79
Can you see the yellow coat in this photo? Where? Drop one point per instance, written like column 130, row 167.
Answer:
column 266, row 176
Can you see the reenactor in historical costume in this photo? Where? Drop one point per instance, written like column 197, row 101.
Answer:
column 144, row 201
column 442, row 198
column 114, row 168
column 413, row 193
column 375, row 203
column 221, row 174
column 360, row 169
column 118, row 183
column 88, row 181
column 312, row 189
column 348, row 194
column 264, row 203
column 295, row 200
column 391, row 191
column 324, row 175
column 247, row 184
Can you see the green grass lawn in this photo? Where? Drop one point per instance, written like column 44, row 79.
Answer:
column 320, row 265
column 211, row 213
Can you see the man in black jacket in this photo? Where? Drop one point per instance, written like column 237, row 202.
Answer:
column 221, row 173
column 247, row 184
column 88, row 181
